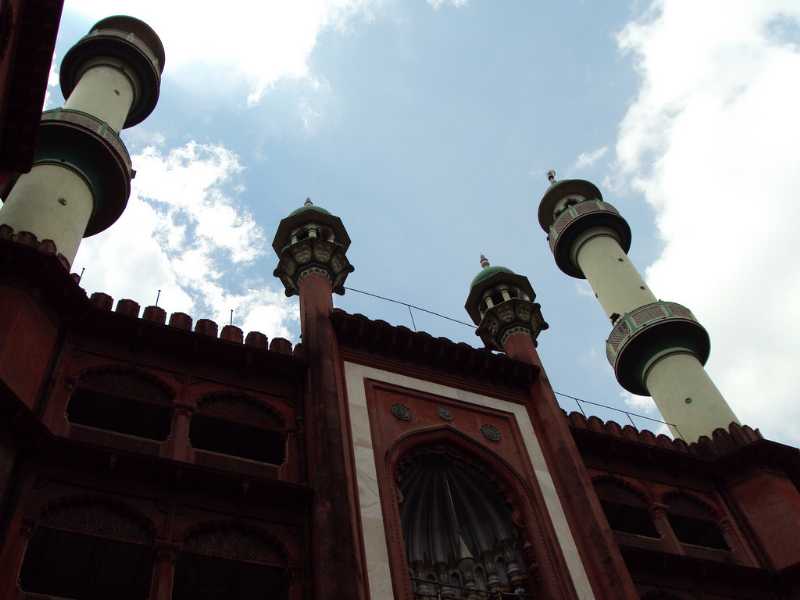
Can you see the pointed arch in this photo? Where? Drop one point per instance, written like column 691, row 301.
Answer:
column 89, row 547
column 230, row 559
column 536, row 548
column 694, row 520
column 234, row 540
column 626, row 505
column 123, row 379
column 241, row 407
column 123, row 400
column 240, row 425
column 98, row 515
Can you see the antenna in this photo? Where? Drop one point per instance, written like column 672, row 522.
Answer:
column 158, row 296
column 231, row 317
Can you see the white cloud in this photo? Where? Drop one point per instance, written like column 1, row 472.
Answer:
column 587, row 159
column 583, row 288
column 258, row 42
column 437, row 4
column 52, row 83
column 710, row 141
column 181, row 233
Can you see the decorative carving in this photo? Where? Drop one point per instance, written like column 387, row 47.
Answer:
column 235, row 543
column 98, row 517
column 126, row 383
column 401, row 412
column 311, row 241
column 491, row 433
column 444, row 413
column 460, row 539
column 241, row 407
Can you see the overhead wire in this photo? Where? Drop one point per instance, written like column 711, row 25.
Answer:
column 410, row 306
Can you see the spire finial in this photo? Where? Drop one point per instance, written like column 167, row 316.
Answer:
column 308, row 202
column 484, row 261
column 551, row 176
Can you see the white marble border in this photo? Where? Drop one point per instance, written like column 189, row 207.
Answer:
column 376, row 550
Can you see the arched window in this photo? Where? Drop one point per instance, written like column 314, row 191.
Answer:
column 625, row 510
column 122, row 401
column 239, row 426
column 694, row 522
column 89, row 550
column 230, row 562
column 457, row 527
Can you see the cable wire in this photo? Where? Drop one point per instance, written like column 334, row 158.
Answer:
column 575, row 398
column 406, row 304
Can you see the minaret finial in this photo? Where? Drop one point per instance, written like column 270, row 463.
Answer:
column 551, row 176
column 484, row 261
column 308, row 202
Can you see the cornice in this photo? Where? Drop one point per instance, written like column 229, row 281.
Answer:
column 375, row 338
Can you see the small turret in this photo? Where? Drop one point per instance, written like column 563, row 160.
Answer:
column 501, row 303
column 311, row 240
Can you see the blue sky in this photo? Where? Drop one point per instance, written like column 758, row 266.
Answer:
column 429, row 128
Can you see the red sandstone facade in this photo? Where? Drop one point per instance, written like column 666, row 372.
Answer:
column 149, row 456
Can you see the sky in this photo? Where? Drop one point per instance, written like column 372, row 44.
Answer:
column 429, row 127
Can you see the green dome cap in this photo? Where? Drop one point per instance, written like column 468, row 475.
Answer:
column 487, row 272
column 308, row 206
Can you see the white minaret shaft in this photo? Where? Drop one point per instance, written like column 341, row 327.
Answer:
column 656, row 348
column 80, row 179
column 615, row 281
column 52, row 201
column 105, row 91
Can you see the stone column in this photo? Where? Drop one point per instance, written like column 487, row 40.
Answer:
column 164, row 571
column 658, row 512
column 311, row 245
column 181, row 444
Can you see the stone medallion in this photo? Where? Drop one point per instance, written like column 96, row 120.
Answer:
column 491, row 433
column 401, row 412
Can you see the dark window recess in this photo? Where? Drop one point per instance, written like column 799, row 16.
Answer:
column 235, row 439
column 625, row 510
column 207, row 578
column 629, row 519
column 699, row 532
column 123, row 415
column 84, row 567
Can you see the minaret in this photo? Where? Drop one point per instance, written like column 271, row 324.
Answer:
column 80, row 180
column 311, row 245
column 656, row 348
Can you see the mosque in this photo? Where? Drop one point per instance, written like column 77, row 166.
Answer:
column 152, row 456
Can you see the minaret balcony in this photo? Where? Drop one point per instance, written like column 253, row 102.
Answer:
column 649, row 332
column 124, row 39
column 80, row 141
column 578, row 219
